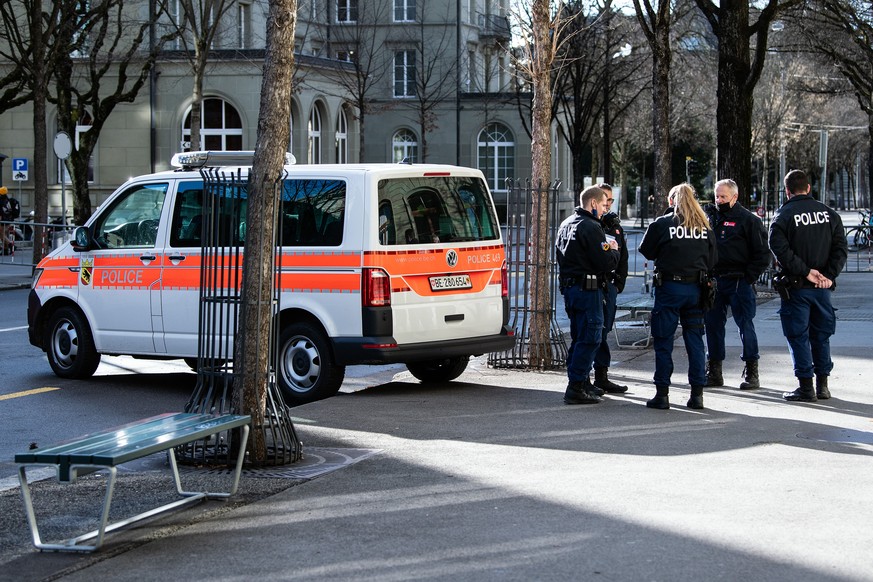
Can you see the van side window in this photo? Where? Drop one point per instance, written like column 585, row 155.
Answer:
column 133, row 219
column 434, row 209
column 313, row 212
column 187, row 226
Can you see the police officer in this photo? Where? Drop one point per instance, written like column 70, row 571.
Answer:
column 614, row 285
column 809, row 244
column 585, row 259
column 683, row 247
column 9, row 211
column 742, row 257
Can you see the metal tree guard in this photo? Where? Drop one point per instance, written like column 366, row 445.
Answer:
column 520, row 264
column 221, row 272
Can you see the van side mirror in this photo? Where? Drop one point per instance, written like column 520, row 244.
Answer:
column 81, row 239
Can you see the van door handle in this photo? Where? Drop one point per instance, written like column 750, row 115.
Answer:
column 455, row 317
column 176, row 258
column 147, row 258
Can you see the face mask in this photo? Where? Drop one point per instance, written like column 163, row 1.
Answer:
column 594, row 212
column 724, row 207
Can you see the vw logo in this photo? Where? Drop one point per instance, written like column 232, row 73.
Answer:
column 452, row 258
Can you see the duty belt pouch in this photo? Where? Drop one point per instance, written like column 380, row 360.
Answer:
column 657, row 279
column 784, row 283
column 591, row 283
column 708, row 288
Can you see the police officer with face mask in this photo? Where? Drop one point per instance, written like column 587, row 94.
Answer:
column 585, row 259
column 683, row 247
column 742, row 257
column 809, row 244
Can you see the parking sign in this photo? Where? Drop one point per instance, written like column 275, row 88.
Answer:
column 19, row 169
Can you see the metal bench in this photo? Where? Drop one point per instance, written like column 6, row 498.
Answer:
column 107, row 449
column 640, row 308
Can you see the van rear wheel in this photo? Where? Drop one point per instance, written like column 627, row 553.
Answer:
column 307, row 371
column 70, row 345
column 442, row 370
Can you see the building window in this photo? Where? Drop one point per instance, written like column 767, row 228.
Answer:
column 314, row 152
column 342, row 138
column 347, row 56
column 404, row 10
column 404, row 74
column 496, row 155
column 220, row 127
column 346, row 10
column 404, row 147
column 244, row 25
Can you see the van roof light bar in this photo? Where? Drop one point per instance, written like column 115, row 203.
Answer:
column 211, row 159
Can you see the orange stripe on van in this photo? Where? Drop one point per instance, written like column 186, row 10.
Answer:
column 322, row 282
column 58, row 278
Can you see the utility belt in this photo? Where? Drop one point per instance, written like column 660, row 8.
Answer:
column 589, row 282
column 660, row 277
column 784, row 283
column 731, row 275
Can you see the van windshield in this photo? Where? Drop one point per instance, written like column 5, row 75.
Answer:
column 435, row 209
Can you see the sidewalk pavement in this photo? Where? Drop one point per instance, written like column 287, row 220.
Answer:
column 492, row 478
column 14, row 275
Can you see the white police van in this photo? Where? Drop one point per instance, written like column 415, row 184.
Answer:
column 381, row 263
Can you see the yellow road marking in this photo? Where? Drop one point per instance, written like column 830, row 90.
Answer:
column 28, row 392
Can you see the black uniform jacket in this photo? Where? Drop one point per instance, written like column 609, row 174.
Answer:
column 677, row 250
column 806, row 234
column 582, row 248
column 742, row 242
column 619, row 277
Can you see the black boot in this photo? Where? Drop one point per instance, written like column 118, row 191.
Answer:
column 602, row 381
column 751, row 376
column 696, row 400
column 806, row 393
column 713, row 373
column 821, row 387
column 661, row 400
column 576, row 393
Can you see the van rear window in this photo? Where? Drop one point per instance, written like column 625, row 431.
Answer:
column 432, row 209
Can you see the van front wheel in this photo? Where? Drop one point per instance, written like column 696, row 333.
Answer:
column 442, row 370
column 306, row 370
column 70, row 345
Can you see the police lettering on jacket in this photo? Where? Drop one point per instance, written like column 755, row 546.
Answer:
column 678, row 249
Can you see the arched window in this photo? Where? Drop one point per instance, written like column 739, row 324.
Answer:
column 220, row 127
column 314, row 154
column 497, row 155
column 342, row 138
column 404, row 146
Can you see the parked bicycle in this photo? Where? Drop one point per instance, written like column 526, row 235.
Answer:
column 858, row 237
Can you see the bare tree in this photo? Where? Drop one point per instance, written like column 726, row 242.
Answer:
column 274, row 134
column 97, row 42
column 655, row 21
column 434, row 78
column 29, row 33
column 196, row 26
column 367, row 66
column 841, row 30
column 542, row 31
column 740, row 63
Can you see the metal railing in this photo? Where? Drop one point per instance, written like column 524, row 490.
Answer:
column 21, row 237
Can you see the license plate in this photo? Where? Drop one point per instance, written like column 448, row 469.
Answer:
column 450, row 282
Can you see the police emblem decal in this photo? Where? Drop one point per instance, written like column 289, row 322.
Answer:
column 85, row 271
column 452, row 258
column 604, row 246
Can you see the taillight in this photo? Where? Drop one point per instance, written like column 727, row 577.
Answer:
column 504, row 280
column 376, row 288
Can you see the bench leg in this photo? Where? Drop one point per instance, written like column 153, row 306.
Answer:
column 236, row 473
column 72, row 544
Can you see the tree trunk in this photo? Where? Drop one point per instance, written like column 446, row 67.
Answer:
column 661, row 116
column 734, row 111
column 541, row 161
column 198, row 70
column 252, row 352
column 40, row 135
